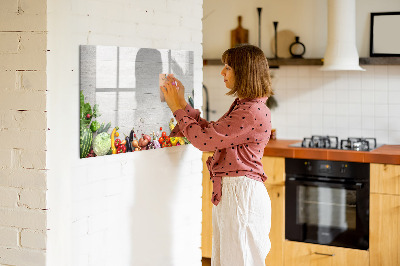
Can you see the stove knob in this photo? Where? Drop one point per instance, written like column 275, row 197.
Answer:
column 343, row 168
column 308, row 166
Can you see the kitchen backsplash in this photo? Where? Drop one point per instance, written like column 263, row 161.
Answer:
column 314, row 102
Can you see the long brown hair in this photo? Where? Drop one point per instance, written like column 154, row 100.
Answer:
column 250, row 66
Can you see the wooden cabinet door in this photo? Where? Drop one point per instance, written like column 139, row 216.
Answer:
column 274, row 168
column 385, row 178
column 277, row 233
column 304, row 254
column 206, row 232
column 384, row 236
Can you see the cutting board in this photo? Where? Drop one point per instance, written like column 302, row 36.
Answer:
column 239, row 35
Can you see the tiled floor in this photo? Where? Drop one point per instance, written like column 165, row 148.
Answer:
column 206, row 261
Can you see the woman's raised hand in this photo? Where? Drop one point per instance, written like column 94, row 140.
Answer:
column 173, row 95
column 181, row 92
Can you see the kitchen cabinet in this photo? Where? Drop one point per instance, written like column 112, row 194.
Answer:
column 206, row 225
column 274, row 168
column 305, row 254
column 385, row 214
column 385, row 178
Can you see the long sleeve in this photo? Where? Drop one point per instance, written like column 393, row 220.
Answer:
column 193, row 113
column 229, row 131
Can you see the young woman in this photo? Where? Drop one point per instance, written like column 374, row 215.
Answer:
column 242, row 209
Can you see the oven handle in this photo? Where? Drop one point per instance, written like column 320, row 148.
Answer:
column 324, row 254
column 357, row 185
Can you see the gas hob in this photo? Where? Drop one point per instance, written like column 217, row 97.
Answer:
column 332, row 142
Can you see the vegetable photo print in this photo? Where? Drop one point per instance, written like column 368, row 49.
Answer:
column 120, row 106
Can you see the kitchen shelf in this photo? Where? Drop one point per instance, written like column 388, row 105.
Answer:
column 380, row 61
column 274, row 63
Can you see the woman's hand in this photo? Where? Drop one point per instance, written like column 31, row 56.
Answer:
column 172, row 95
column 181, row 92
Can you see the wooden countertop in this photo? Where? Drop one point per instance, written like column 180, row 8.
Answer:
column 389, row 154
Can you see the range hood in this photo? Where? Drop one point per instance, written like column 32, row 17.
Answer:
column 341, row 51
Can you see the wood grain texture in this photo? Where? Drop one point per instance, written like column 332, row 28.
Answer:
column 277, row 233
column 206, row 225
column 305, row 254
column 385, row 178
column 384, row 230
column 274, row 168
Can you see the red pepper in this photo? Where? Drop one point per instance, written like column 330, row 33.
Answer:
column 117, row 143
column 164, row 144
column 169, row 144
column 120, row 149
column 166, row 138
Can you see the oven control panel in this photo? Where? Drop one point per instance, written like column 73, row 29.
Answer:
column 337, row 169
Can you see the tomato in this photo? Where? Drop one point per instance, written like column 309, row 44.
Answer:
column 163, row 134
column 164, row 144
column 161, row 140
column 116, row 134
column 117, row 143
column 167, row 139
column 120, row 149
column 169, row 144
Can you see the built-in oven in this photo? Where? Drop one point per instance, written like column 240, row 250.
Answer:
column 327, row 202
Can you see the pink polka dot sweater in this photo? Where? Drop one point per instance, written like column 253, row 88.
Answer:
column 238, row 139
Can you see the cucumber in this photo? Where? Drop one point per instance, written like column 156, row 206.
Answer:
column 86, row 141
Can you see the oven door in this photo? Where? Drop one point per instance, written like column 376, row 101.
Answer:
column 327, row 213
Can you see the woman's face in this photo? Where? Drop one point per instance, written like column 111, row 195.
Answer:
column 229, row 76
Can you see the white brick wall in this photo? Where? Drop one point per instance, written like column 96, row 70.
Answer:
column 22, row 132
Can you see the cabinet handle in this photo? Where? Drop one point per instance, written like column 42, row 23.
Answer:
column 324, row 254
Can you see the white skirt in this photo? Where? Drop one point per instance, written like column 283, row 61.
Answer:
column 241, row 223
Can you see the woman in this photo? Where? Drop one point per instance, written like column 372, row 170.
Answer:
column 242, row 208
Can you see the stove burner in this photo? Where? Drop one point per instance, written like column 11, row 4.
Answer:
column 328, row 142
column 358, row 144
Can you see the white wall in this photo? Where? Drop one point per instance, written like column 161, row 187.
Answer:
column 306, row 19
column 142, row 208
column 311, row 102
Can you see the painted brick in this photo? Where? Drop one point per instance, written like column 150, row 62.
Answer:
column 23, row 100
column 8, row 237
column 33, row 239
column 23, row 218
column 31, row 80
column 12, row 21
column 8, row 197
column 23, row 139
column 16, row 256
column 33, row 159
column 8, row 6
column 34, row 120
column 5, row 158
column 33, row 199
column 9, row 42
column 23, row 178
column 36, row 7
column 31, row 55
column 7, row 81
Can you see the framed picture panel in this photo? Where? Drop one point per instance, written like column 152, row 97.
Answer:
column 385, row 34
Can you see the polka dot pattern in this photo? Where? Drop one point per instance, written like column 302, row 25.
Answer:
column 238, row 140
